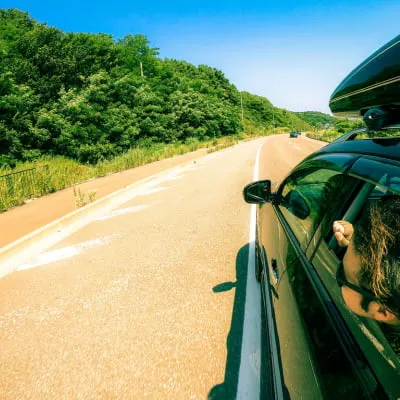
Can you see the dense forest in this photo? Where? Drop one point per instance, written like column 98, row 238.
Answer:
column 90, row 97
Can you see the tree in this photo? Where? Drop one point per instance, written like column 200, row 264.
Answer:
column 84, row 96
column 135, row 51
column 346, row 125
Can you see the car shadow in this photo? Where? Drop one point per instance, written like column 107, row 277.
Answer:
column 228, row 388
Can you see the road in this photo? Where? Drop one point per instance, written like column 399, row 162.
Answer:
column 147, row 301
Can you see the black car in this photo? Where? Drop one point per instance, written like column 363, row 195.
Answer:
column 318, row 348
column 293, row 134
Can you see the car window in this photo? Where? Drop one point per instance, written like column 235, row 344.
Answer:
column 309, row 196
column 379, row 343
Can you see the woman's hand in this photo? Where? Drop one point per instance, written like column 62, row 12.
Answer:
column 343, row 232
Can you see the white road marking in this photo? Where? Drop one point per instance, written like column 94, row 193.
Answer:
column 196, row 166
column 65, row 252
column 174, row 178
column 122, row 211
column 249, row 370
column 212, row 156
column 151, row 191
column 32, row 250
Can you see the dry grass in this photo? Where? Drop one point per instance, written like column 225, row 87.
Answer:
column 50, row 174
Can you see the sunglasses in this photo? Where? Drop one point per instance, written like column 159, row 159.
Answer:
column 342, row 281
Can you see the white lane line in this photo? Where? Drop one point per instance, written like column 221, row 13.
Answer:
column 122, row 211
column 65, row 252
column 250, row 361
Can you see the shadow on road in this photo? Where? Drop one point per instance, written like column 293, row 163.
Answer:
column 227, row 389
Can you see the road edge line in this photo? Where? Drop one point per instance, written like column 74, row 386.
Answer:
column 250, row 360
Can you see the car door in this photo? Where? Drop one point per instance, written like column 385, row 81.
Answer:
column 312, row 362
column 373, row 358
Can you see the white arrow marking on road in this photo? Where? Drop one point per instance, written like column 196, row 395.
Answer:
column 65, row 252
column 122, row 211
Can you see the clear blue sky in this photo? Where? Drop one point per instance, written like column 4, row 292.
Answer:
column 293, row 52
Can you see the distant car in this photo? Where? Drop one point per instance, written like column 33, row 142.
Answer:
column 298, row 132
column 293, row 134
column 317, row 347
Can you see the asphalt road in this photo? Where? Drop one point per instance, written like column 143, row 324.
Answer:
column 147, row 301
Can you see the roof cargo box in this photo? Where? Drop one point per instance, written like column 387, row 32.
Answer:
column 375, row 82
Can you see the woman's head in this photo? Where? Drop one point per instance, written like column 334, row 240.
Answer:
column 372, row 261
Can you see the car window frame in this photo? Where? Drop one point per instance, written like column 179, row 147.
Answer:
column 337, row 162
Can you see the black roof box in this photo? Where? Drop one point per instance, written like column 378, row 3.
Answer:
column 374, row 83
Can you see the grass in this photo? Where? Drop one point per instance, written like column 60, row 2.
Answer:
column 80, row 197
column 325, row 136
column 50, row 174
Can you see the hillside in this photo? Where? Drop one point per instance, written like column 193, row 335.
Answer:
column 89, row 97
column 316, row 119
column 262, row 113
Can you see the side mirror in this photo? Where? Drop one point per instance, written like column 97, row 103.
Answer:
column 296, row 204
column 257, row 192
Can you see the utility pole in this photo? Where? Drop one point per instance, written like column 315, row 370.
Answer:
column 241, row 104
column 141, row 69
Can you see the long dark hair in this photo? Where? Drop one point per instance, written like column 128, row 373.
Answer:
column 377, row 241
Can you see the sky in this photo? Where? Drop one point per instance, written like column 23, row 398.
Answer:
column 294, row 53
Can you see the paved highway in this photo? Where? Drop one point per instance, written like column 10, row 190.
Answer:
column 149, row 300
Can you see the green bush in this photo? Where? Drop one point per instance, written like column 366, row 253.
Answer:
column 93, row 154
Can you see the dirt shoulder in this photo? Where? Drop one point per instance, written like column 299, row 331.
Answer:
column 20, row 221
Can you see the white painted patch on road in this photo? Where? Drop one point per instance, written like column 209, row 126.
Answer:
column 250, row 363
column 64, row 253
column 122, row 211
column 60, row 230
column 195, row 167
column 212, row 156
column 174, row 178
column 151, row 191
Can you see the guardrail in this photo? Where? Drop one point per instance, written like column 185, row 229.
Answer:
column 15, row 187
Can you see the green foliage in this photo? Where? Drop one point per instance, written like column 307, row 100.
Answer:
column 346, row 125
column 316, row 119
column 89, row 98
column 136, row 56
column 263, row 114
column 53, row 173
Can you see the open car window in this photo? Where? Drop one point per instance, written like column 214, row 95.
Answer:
column 310, row 197
column 380, row 344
